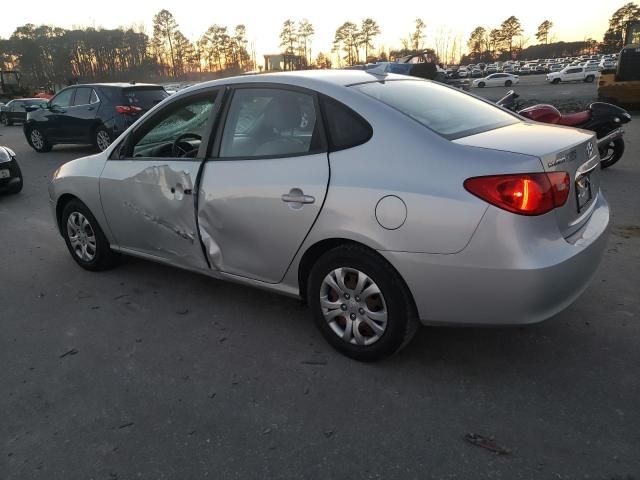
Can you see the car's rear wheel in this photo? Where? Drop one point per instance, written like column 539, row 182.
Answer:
column 360, row 303
column 4, row 119
column 102, row 139
column 589, row 79
column 508, row 83
column 38, row 141
column 84, row 238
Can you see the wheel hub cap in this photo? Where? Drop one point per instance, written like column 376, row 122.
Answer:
column 81, row 237
column 353, row 306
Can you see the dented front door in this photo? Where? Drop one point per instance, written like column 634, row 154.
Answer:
column 149, row 206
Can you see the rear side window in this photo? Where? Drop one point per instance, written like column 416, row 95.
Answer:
column 448, row 112
column 144, row 98
column 83, row 94
column 345, row 128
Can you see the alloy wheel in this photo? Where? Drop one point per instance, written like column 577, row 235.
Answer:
column 102, row 140
column 353, row 306
column 37, row 139
column 81, row 237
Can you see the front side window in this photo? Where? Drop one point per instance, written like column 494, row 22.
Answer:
column 177, row 130
column 17, row 106
column 448, row 112
column 63, row 99
column 266, row 122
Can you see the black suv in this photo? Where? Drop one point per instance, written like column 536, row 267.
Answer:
column 90, row 114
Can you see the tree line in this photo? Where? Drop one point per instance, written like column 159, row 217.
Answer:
column 47, row 54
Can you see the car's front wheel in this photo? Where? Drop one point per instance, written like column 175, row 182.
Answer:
column 102, row 139
column 555, row 81
column 38, row 141
column 360, row 303
column 481, row 85
column 84, row 238
column 508, row 83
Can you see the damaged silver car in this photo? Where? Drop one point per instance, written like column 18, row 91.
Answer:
column 384, row 201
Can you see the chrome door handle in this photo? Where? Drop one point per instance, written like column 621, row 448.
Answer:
column 297, row 196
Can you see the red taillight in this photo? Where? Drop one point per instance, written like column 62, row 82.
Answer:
column 523, row 193
column 128, row 109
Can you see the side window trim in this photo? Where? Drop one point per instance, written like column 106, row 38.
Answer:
column 214, row 152
column 126, row 143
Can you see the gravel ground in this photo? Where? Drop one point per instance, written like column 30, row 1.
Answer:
column 150, row 372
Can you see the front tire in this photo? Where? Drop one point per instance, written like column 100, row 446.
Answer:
column 508, row 83
column 611, row 153
column 102, row 139
column 84, row 238
column 360, row 303
column 589, row 79
column 38, row 141
column 555, row 81
column 481, row 85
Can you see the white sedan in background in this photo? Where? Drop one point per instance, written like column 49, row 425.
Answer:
column 497, row 80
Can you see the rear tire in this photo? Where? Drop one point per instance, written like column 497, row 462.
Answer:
column 84, row 238
column 38, row 141
column 508, row 83
column 5, row 120
column 372, row 327
column 589, row 79
column 612, row 154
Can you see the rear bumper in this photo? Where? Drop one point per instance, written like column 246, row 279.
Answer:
column 516, row 270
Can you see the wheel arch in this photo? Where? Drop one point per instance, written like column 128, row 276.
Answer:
column 315, row 251
column 62, row 201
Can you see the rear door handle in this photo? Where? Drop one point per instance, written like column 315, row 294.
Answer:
column 297, row 196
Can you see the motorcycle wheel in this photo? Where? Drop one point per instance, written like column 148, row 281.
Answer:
column 611, row 153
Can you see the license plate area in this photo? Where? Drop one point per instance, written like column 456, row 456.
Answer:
column 584, row 194
column 5, row 173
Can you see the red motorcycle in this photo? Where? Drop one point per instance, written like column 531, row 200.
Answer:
column 602, row 118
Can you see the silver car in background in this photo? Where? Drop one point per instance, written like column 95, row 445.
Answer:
column 385, row 201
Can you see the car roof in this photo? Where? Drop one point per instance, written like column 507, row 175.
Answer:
column 117, row 85
column 312, row 79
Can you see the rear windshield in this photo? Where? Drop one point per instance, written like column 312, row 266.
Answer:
column 144, row 98
column 446, row 111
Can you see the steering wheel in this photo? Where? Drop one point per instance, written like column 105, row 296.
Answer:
column 180, row 148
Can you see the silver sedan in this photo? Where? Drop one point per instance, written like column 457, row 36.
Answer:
column 384, row 201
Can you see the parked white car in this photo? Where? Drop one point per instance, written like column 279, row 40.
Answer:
column 572, row 74
column 497, row 80
column 463, row 73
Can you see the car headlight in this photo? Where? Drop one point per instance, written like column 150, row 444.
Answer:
column 6, row 155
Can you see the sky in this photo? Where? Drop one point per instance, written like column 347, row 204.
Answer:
column 573, row 19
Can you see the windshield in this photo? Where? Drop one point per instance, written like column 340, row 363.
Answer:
column 446, row 111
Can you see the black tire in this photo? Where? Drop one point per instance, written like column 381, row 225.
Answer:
column 508, row 83
column 103, row 257
column 5, row 120
column 481, row 85
column 617, row 147
column 17, row 188
column 43, row 147
column 555, row 81
column 589, row 79
column 98, row 143
column 402, row 319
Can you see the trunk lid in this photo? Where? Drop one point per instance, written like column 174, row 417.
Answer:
column 560, row 149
